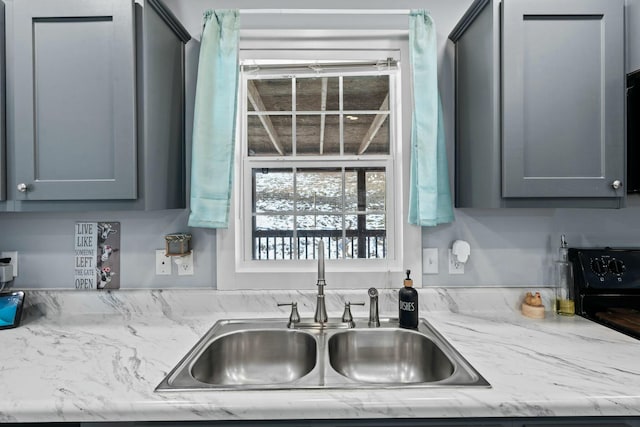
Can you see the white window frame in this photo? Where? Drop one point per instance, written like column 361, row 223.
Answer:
column 234, row 269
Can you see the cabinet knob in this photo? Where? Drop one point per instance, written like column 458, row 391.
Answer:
column 22, row 187
column 616, row 184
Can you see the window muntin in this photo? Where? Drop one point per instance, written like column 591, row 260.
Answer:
column 344, row 204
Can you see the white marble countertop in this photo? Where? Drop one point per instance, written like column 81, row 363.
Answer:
column 99, row 356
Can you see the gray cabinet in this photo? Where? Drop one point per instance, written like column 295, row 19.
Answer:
column 540, row 95
column 632, row 28
column 73, row 82
column 2, row 106
column 95, row 105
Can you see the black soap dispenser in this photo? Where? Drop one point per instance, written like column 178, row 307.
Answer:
column 408, row 304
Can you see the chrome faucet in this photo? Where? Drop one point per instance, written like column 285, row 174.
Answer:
column 321, row 309
column 374, row 318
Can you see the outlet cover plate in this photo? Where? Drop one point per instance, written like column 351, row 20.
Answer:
column 185, row 264
column 163, row 263
column 14, row 260
column 453, row 268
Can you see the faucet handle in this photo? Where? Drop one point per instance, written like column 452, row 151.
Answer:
column 346, row 316
column 294, row 317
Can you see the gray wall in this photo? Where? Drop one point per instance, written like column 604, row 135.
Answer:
column 508, row 247
column 45, row 245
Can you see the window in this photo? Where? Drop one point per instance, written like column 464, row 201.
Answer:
column 320, row 157
column 330, row 129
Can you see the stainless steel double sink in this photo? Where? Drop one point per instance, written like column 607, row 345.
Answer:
column 266, row 354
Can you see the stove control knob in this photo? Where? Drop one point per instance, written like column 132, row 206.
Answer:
column 598, row 266
column 617, row 267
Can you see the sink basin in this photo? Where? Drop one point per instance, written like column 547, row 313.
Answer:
column 241, row 355
column 261, row 354
column 388, row 356
column 256, row 357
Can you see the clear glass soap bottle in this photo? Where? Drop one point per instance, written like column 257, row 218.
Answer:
column 564, row 303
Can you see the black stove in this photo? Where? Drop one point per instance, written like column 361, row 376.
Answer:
column 607, row 287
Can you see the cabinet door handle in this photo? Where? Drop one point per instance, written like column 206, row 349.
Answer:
column 23, row 188
column 616, row 184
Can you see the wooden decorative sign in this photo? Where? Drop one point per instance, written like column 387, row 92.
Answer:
column 97, row 255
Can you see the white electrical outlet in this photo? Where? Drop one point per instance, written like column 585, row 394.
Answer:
column 430, row 261
column 185, row 264
column 14, row 260
column 163, row 263
column 455, row 268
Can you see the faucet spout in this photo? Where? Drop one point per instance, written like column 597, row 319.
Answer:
column 321, row 309
column 374, row 318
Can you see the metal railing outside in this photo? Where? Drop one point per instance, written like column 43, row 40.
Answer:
column 283, row 245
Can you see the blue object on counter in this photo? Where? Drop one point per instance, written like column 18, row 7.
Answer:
column 214, row 120
column 7, row 312
column 11, row 309
column 429, row 192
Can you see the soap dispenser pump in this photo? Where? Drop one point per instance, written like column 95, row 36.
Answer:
column 408, row 304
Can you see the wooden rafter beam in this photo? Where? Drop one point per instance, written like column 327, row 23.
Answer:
column 258, row 105
column 375, row 126
column 323, row 107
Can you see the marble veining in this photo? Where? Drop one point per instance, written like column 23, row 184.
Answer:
column 97, row 356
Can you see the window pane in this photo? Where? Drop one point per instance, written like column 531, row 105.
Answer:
column 376, row 191
column 319, row 222
column 273, row 247
column 366, row 134
column 274, row 222
column 351, row 243
column 309, row 135
column 376, row 247
column 319, row 190
column 269, row 95
column 312, row 93
column 273, row 190
column 308, row 246
column 333, row 248
column 365, row 92
column 268, row 134
column 273, row 237
column 376, row 222
column 365, row 236
column 350, row 190
column 313, row 228
column 365, row 190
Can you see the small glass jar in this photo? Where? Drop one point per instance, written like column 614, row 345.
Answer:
column 564, row 302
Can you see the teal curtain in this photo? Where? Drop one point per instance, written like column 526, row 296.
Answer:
column 429, row 193
column 214, row 120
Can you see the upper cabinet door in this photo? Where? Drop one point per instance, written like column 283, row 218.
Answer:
column 2, row 107
column 563, row 98
column 74, row 101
